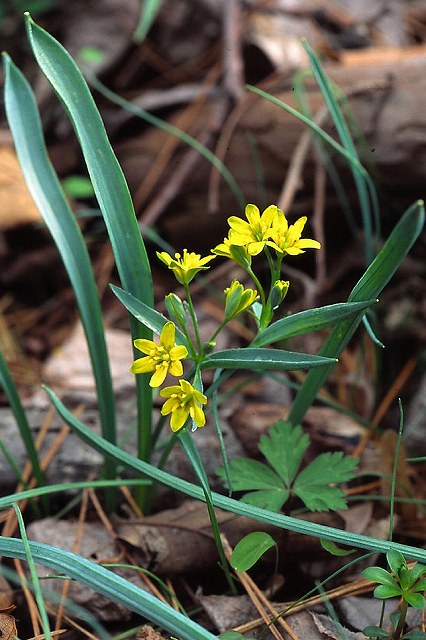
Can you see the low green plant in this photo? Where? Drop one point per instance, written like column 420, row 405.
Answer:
column 272, row 485
column 404, row 582
column 181, row 350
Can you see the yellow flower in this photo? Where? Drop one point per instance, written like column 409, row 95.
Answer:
column 287, row 238
column 183, row 401
column 237, row 253
column 161, row 358
column 238, row 299
column 254, row 234
column 185, row 266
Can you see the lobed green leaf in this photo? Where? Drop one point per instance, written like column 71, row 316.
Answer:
column 284, row 447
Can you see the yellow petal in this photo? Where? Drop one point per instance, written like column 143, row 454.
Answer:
column 146, row 346
column 159, row 375
column 252, row 215
column 176, row 368
column 178, row 419
column 143, row 365
column 306, row 243
column 254, row 248
column 197, row 414
column 269, row 215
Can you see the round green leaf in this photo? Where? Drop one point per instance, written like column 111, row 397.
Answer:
column 249, row 549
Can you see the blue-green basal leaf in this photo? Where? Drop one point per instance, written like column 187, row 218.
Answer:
column 45, row 188
column 111, row 191
column 108, row 584
column 9, row 388
column 229, row 504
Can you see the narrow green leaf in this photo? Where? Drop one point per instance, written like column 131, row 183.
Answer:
column 223, row 502
column 45, row 188
column 250, row 549
column 231, row 635
column 111, row 191
column 375, row 632
column 145, row 314
column 284, row 447
column 9, row 388
column 335, row 550
column 34, row 576
column 307, row 321
column 368, row 287
column 148, row 14
column 108, row 584
column 262, row 360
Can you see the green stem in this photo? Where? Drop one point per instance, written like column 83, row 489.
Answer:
column 194, row 319
column 401, row 621
column 258, row 285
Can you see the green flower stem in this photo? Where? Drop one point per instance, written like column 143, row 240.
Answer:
column 258, row 285
column 194, row 319
column 400, row 626
column 219, row 329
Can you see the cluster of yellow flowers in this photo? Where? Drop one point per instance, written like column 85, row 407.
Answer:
column 245, row 240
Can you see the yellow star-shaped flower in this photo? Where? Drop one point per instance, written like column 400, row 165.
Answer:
column 287, row 238
column 185, row 266
column 183, row 401
column 160, row 358
column 256, row 232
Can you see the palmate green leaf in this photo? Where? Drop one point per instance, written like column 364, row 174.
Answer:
column 384, row 591
column 284, row 447
column 146, row 315
column 307, row 321
column 416, row 600
column 44, row 186
column 395, row 561
column 248, row 474
column 272, row 500
column 262, row 360
column 249, row 549
column 380, row 575
column 223, row 502
column 312, row 484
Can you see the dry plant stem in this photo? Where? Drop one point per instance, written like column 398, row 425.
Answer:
column 137, row 511
column 258, row 599
column 169, row 191
column 10, row 525
column 183, row 121
column 109, row 527
column 32, row 607
column 75, row 548
column 358, row 587
column 72, row 623
column 53, row 634
column 232, row 56
column 390, row 396
column 174, row 603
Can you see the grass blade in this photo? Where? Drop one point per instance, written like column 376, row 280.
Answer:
column 229, row 504
column 33, row 572
column 111, row 192
column 262, row 360
column 44, row 186
column 368, row 287
column 8, row 384
column 108, row 584
column 149, row 10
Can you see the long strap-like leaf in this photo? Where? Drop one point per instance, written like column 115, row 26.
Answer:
column 44, row 186
column 110, row 585
column 368, row 287
column 111, row 191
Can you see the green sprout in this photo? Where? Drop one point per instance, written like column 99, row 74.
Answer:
column 401, row 582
